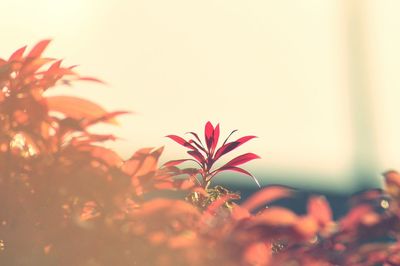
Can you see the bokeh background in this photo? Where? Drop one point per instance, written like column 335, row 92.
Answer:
column 316, row 81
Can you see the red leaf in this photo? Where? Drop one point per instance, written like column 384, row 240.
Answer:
column 197, row 145
column 215, row 138
column 196, row 136
column 181, row 141
column 198, row 156
column 230, row 134
column 17, row 55
column 208, row 134
column 74, row 107
column 38, row 49
column 244, row 158
column 319, row 208
column 224, row 149
column 265, row 196
column 240, row 170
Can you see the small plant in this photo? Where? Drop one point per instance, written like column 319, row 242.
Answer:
column 207, row 155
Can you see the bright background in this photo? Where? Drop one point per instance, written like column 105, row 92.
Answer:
column 317, row 81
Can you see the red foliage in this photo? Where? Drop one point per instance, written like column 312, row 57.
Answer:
column 67, row 200
column 206, row 156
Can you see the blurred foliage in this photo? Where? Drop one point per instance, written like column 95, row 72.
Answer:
column 68, row 200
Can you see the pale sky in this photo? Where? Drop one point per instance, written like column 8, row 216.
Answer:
column 275, row 69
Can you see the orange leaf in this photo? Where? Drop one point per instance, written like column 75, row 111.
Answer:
column 319, row 209
column 258, row 253
column 392, row 177
column 143, row 162
column 17, row 55
column 107, row 156
column 355, row 216
column 306, row 226
column 277, row 216
column 35, row 64
column 38, row 49
column 76, row 108
column 265, row 196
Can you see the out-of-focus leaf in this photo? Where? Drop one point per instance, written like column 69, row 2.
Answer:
column 56, row 69
column 35, row 64
column 175, row 162
column 354, row 217
column 91, row 79
column 239, row 213
column 218, row 203
column 143, row 162
column 277, row 216
column 107, row 118
column 38, row 49
column 258, row 253
column 76, row 108
column 105, row 155
column 306, row 227
column 319, row 209
column 392, row 177
column 265, row 196
column 18, row 54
